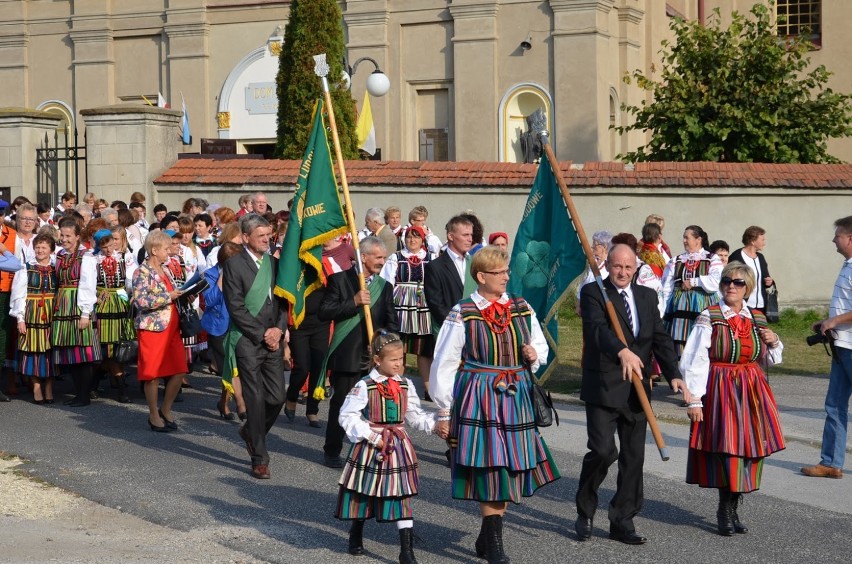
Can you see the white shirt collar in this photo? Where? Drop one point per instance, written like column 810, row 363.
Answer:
column 728, row 313
column 483, row 303
column 455, row 256
column 376, row 377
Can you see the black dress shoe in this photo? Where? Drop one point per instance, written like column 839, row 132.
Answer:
column 583, row 527
column 4, row 397
column 627, row 537
column 171, row 425
column 333, row 461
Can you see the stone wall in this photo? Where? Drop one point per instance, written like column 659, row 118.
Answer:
column 798, row 222
column 22, row 131
column 128, row 145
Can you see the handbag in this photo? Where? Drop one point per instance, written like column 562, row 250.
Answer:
column 543, row 409
column 190, row 321
column 126, row 350
column 771, row 306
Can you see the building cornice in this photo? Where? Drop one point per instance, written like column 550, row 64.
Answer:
column 582, row 5
column 474, row 10
column 630, row 14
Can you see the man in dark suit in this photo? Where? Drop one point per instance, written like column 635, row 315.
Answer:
column 349, row 358
column 258, row 322
column 611, row 401
column 445, row 276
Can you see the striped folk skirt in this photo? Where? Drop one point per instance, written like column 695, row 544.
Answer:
column 741, row 427
column 682, row 310
column 380, row 489
column 497, row 453
column 410, row 304
column 34, row 355
column 72, row 345
column 114, row 324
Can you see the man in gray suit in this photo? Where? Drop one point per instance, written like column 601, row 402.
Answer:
column 258, row 322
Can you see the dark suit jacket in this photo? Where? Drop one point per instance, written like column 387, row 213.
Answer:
column 764, row 270
column 442, row 287
column 602, row 378
column 238, row 275
column 338, row 304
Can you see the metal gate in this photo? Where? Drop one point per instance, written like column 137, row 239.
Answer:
column 58, row 169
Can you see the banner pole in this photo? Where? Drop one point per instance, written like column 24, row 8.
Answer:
column 574, row 217
column 321, row 69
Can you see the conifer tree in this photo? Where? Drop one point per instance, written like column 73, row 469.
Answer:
column 314, row 27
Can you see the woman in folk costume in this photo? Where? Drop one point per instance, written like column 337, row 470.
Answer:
column 496, row 452
column 115, row 276
column 380, row 476
column 33, row 294
column 736, row 424
column 74, row 334
column 690, row 284
column 406, row 270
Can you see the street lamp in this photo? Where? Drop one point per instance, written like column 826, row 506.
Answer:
column 378, row 83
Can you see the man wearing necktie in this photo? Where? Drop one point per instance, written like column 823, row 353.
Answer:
column 258, row 322
column 349, row 355
column 447, row 278
column 611, row 401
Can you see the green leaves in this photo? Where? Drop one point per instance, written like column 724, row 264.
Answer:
column 738, row 94
column 314, row 27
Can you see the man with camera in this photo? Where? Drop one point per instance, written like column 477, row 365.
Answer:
column 838, row 329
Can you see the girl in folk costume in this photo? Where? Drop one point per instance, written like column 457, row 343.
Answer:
column 690, row 285
column 380, row 476
column 735, row 422
column 405, row 270
column 74, row 335
column 33, row 293
column 115, row 274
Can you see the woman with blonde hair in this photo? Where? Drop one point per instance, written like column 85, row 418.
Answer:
column 160, row 345
column 735, row 421
column 486, row 355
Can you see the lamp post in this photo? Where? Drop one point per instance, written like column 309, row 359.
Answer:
column 378, row 83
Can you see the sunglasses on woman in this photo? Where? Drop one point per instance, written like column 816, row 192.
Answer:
column 738, row 282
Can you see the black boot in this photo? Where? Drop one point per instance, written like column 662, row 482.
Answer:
column 356, row 538
column 735, row 519
column 481, row 545
column 122, row 390
column 494, row 540
column 406, row 545
column 76, row 379
column 724, row 515
column 83, row 381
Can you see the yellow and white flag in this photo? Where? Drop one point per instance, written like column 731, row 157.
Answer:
column 365, row 130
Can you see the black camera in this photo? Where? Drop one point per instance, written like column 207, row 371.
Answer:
column 816, row 339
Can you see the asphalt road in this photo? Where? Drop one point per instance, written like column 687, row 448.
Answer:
column 197, row 480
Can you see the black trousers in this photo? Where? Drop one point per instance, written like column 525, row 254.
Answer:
column 602, row 423
column 342, row 382
column 308, row 348
column 261, row 374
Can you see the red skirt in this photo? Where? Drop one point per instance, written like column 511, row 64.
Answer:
column 161, row 353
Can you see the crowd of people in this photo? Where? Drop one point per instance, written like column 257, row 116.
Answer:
column 81, row 280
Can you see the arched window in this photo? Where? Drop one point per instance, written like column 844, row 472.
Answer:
column 614, row 121
column 520, row 101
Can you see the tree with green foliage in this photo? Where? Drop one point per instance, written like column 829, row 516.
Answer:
column 314, row 27
column 740, row 94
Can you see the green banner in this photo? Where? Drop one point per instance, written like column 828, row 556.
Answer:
column 316, row 217
column 546, row 256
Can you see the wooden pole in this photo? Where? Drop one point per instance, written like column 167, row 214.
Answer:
column 610, row 309
column 321, row 67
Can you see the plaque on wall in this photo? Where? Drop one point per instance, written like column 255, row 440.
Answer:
column 261, row 98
